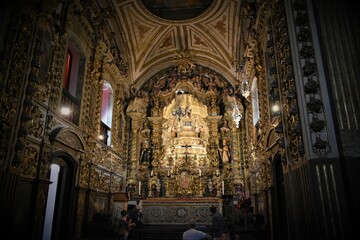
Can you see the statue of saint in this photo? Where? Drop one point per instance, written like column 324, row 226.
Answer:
column 146, row 153
column 225, row 152
column 210, row 185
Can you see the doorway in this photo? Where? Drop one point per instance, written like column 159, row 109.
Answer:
column 59, row 220
column 280, row 228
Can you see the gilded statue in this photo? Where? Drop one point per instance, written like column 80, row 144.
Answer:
column 146, row 153
column 225, row 152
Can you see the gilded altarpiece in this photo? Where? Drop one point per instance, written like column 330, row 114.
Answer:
column 181, row 163
column 183, row 151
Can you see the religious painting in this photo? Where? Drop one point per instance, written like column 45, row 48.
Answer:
column 184, row 180
column 184, row 183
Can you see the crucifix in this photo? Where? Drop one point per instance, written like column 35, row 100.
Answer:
column 186, row 152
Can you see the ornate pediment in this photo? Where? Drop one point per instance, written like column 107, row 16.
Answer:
column 67, row 137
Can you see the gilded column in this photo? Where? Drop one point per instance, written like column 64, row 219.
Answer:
column 235, row 153
column 156, row 123
column 214, row 138
column 133, row 179
column 213, row 160
column 156, row 137
column 245, row 155
column 119, row 109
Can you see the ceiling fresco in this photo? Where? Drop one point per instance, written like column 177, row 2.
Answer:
column 177, row 9
column 153, row 43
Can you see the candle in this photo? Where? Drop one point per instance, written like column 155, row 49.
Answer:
column 139, row 187
column 223, row 187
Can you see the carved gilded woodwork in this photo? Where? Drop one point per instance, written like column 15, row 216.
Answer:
column 30, row 161
column 187, row 144
column 174, row 169
column 14, row 82
column 254, row 137
column 287, row 87
column 30, row 98
column 184, row 61
column 85, row 168
column 99, row 180
column 117, row 183
column 67, row 137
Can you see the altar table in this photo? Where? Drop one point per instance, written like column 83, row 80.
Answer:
column 178, row 210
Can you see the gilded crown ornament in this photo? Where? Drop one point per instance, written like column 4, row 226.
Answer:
column 185, row 61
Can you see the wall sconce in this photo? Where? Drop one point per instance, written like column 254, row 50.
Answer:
column 275, row 108
column 65, row 111
column 236, row 115
column 245, row 88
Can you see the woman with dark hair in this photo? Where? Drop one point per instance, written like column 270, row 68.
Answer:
column 122, row 231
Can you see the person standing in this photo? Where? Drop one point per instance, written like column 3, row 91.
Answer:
column 217, row 223
column 136, row 220
column 194, row 234
column 122, row 231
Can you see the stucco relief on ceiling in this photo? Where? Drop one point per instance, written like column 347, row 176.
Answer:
column 153, row 43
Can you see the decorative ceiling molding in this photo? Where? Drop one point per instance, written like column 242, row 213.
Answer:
column 152, row 42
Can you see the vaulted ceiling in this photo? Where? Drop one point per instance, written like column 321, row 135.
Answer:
column 207, row 34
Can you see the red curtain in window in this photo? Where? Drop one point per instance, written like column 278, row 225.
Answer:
column 66, row 81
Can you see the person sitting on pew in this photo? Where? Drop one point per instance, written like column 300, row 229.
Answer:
column 194, row 234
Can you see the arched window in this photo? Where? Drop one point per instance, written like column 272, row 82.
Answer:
column 106, row 113
column 255, row 101
column 72, row 83
column 255, row 108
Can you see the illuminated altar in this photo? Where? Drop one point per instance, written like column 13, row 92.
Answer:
column 185, row 172
column 185, row 160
